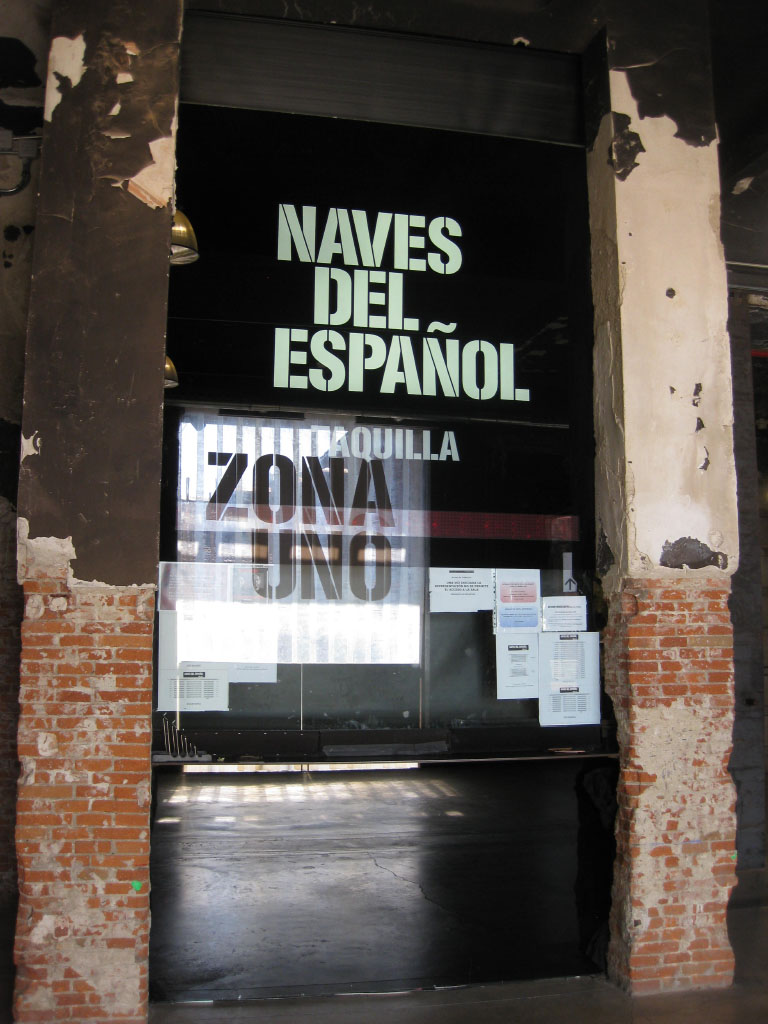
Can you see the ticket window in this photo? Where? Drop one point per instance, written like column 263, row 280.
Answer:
column 385, row 379
column 336, row 574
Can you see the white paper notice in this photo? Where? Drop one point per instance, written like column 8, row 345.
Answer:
column 564, row 613
column 196, row 686
column 517, row 599
column 517, row 665
column 460, row 590
column 569, row 678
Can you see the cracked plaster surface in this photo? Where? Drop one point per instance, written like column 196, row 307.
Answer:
column 53, row 556
column 153, row 185
column 661, row 315
column 682, row 752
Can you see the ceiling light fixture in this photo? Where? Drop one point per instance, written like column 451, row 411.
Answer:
column 183, row 242
column 171, row 377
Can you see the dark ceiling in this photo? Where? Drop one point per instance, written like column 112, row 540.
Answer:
column 740, row 70
column 740, row 75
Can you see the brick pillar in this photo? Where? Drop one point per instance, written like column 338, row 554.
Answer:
column 666, row 507
column 669, row 672
column 84, row 794
column 89, row 499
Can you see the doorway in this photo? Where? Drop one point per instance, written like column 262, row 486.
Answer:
column 391, row 261
column 326, row 882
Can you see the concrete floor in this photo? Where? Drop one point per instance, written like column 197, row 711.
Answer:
column 389, row 840
column 357, row 900
column 275, row 885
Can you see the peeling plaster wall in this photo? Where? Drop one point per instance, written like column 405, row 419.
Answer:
column 674, row 767
column 66, row 66
column 42, row 556
column 678, row 410
column 88, row 509
column 95, row 346
column 666, row 485
column 666, row 516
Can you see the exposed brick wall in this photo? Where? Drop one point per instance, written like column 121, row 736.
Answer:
column 10, row 619
column 83, row 810
column 669, row 670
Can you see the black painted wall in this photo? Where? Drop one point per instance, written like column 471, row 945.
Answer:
column 95, row 350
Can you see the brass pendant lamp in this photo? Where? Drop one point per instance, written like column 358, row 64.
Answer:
column 183, row 242
column 183, row 250
column 171, row 377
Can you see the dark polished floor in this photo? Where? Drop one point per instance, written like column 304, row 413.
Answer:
column 275, row 885
column 419, row 897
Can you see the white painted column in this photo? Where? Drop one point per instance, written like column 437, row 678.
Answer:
column 666, row 483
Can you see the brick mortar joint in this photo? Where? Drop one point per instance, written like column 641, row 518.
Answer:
column 83, row 604
column 624, row 594
column 686, row 580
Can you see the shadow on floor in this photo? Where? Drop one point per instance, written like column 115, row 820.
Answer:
column 276, row 885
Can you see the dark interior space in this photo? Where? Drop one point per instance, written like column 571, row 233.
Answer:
column 286, row 883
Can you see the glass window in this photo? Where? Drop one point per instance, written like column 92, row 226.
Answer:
column 384, row 355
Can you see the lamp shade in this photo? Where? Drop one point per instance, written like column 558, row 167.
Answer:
column 183, row 241
column 171, row 377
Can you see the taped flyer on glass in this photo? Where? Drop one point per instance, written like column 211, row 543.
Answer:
column 564, row 613
column 460, row 589
column 569, row 678
column 517, row 665
column 518, row 599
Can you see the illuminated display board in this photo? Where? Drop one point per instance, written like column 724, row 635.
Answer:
column 368, row 267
